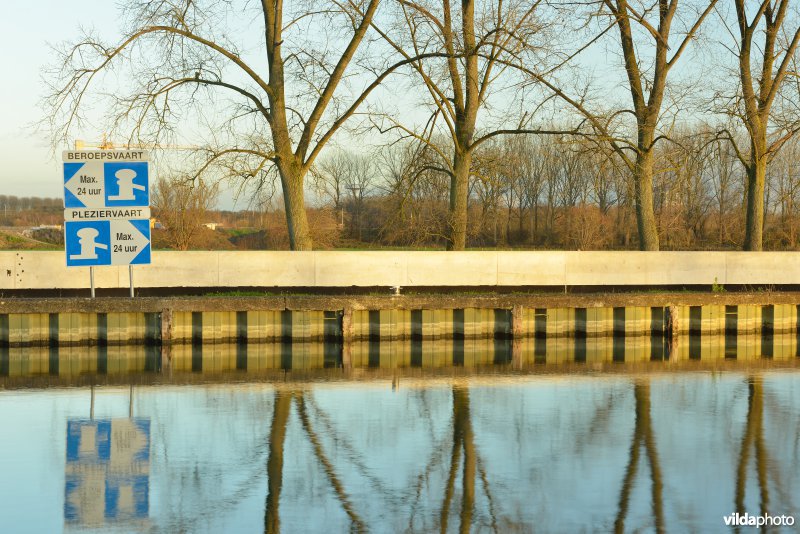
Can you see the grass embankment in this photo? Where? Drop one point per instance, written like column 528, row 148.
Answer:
column 16, row 241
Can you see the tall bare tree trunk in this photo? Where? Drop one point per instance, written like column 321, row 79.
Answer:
column 754, row 226
column 289, row 165
column 643, row 190
column 756, row 179
column 758, row 95
column 294, row 162
column 292, row 179
column 467, row 101
column 459, row 191
column 647, row 107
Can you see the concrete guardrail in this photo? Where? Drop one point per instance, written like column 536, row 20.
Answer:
column 47, row 270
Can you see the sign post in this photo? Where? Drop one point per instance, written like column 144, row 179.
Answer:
column 106, row 209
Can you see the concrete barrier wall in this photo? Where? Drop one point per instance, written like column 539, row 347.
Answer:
column 47, row 270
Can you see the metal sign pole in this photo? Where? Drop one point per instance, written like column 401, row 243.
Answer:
column 130, row 275
column 91, row 279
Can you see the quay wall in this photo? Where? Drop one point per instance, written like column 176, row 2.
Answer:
column 177, row 325
column 68, row 337
column 64, row 345
column 23, row 270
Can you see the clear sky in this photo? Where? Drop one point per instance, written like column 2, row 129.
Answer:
column 26, row 31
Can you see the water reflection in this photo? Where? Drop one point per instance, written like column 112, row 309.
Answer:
column 107, row 472
column 463, row 440
column 280, row 415
column 643, row 438
column 624, row 453
column 753, row 438
column 72, row 362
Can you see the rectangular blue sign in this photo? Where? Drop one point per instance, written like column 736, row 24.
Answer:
column 102, row 179
column 109, row 242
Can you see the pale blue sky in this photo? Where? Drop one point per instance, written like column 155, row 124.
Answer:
column 26, row 28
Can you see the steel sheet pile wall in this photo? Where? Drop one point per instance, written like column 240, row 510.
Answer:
column 69, row 344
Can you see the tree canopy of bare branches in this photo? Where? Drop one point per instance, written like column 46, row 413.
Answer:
column 765, row 46
column 466, row 51
column 181, row 205
column 495, row 129
column 285, row 90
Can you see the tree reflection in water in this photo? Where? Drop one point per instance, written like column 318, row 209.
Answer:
column 356, row 522
column 462, row 443
column 448, row 488
column 753, row 438
column 277, row 436
column 463, row 439
column 643, row 436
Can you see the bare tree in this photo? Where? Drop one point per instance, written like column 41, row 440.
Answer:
column 285, row 93
column 783, row 178
column 416, row 195
column 467, row 51
column 645, row 28
column 533, row 162
column 772, row 36
column 686, row 197
column 490, row 184
column 181, row 205
column 725, row 187
column 329, row 178
column 647, row 108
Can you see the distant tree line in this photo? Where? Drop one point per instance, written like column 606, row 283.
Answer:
column 30, row 211
column 545, row 192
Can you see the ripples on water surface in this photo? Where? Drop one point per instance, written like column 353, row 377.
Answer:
column 633, row 452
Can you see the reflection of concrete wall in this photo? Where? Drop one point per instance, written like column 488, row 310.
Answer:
column 41, row 270
column 107, row 471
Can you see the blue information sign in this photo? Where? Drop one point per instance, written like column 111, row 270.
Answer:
column 112, row 242
column 91, row 181
column 106, row 200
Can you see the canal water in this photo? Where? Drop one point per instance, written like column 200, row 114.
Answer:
column 484, row 448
